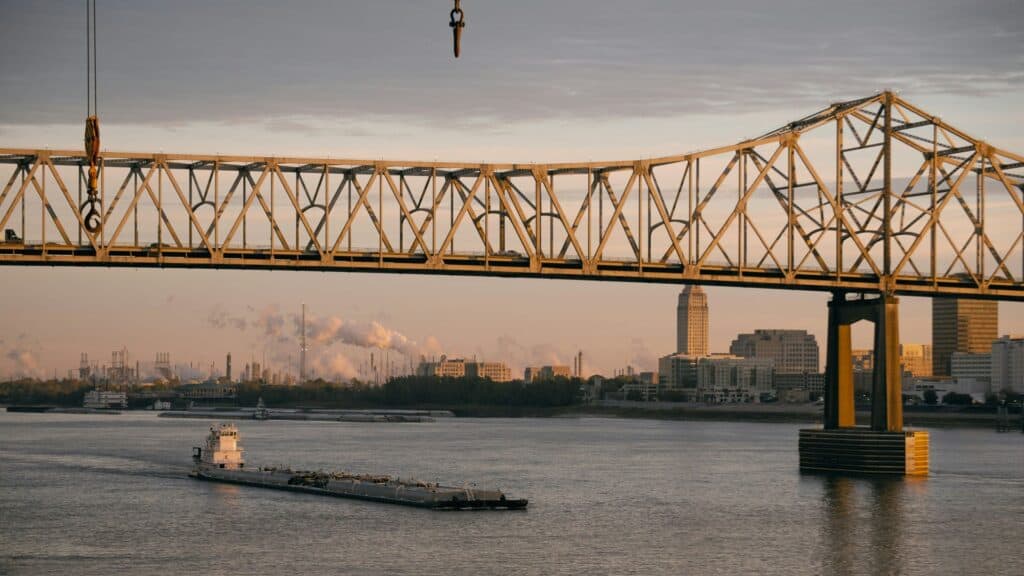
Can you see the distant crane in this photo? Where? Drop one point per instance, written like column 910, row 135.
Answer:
column 90, row 208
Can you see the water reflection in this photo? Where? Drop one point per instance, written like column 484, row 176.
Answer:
column 225, row 493
column 864, row 523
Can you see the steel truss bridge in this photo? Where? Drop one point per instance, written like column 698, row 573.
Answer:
column 871, row 195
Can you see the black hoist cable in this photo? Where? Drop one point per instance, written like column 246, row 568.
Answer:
column 90, row 209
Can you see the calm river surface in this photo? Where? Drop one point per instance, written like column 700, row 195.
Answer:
column 82, row 494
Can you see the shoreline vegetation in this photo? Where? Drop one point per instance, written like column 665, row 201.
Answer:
column 481, row 398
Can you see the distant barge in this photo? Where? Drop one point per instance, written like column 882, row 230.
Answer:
column 261, row 412
column 220, row 460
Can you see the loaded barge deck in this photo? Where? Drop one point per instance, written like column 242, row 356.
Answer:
column 220, row 460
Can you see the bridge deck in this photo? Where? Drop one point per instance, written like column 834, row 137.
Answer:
column 890, row 200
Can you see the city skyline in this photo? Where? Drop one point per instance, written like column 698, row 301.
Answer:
column 341, row 342
column 667, row 286
column 417, row 105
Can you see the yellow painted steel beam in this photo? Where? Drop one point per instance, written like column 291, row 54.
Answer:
column 852, row 233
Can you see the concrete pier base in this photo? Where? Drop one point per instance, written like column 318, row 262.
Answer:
column 841, row 447
column 864, row 451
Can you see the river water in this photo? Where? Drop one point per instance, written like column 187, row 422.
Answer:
column 109, row 494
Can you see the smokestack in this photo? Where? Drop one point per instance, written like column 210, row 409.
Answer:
column 229, row 367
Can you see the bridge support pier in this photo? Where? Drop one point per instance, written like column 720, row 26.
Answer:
column 883, row 447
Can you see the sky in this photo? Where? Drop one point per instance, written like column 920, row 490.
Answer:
column 571, row 80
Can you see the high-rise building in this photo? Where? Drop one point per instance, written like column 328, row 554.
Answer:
column 916, row 359
column 692, row 322
column 961, row 325
column 793, row 351
column 1008, row 364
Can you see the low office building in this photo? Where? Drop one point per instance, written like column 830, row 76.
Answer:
column 495, row 371
column 678, row 371
column 535, row 373
column 724, row 378
column 793, row 387
column 460, row 368
column 792, row 351
column 942, row 385
column 445, row 368
column 972, row 368
column 1007, row 360
column 642, row 386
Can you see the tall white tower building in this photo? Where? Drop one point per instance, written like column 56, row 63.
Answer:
column 692, row 322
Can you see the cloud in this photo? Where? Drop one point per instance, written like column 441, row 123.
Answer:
column 270, row 321
column 432, row 346
column 330, row 330
column 641, row 356
column 524, row 60
column 334, row 367
column 519, row 355
column 20, row 360
column 220, row 319
column 285, row 329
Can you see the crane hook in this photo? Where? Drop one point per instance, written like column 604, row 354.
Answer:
column 457, row 22
column 91, row 216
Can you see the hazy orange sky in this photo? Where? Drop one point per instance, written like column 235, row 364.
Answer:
column 538, row 81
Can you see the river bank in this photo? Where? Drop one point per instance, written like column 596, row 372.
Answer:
column 811, row 414
column 794, row 413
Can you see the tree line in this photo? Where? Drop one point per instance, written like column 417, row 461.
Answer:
column 414, row 391
column 406, row 391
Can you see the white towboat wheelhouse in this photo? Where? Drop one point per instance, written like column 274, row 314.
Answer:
column 221, row 450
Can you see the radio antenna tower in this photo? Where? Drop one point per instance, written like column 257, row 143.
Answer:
column 302, row 348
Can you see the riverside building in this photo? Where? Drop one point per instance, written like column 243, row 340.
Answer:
column 724, row 378
column 792, row 351
column 961, row 325
column 1007, row 358
column 678, row 373
column 541, row 373
column 916, row 359
column 460, row 368
column 973, row 372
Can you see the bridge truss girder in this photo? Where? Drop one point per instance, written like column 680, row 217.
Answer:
column 871, row 195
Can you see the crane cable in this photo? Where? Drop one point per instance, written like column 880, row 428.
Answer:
column 457, row 21
column 90, row 209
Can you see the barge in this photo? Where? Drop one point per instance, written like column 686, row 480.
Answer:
column 220, row 460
